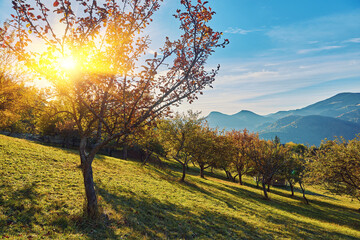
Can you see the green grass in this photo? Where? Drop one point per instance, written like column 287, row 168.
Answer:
column 41, row 197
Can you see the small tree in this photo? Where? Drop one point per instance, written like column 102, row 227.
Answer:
column 177, row 135
column 269, row 157
column 203, row 147
column 94, row 60
column 242, row 156
column 337, row 165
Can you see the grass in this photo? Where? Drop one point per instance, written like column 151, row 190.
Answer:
column 41, row 197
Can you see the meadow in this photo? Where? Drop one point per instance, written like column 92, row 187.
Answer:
column 42, row 197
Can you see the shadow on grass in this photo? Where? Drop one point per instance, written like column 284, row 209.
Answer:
column 154, row 219
column 19, row 207
column 319, row 210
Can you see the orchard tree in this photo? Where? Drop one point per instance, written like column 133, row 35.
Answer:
column 203, row 147
column 269, row 158
column 242, row 141
column 177, row 135
column 92, row 52
column 337, row 165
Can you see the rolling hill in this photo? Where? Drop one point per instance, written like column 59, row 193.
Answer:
column 335, row 116
column 41, row 197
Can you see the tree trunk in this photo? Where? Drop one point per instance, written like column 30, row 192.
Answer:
column 264, row 189
column 240, row 179
column 184, row 172
column 303, row 192
column 202, row 168
column 292, row 188
column 125, row 151
column 91, row 199
column 268, row 187
column 240, row 176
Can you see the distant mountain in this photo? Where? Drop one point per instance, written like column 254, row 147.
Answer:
column 332, row 107
column 243, row 119
column 310, row 129
column 335, row 116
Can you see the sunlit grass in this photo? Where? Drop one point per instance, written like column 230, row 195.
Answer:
column 41, row 195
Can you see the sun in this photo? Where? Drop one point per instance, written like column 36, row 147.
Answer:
column 68, row 63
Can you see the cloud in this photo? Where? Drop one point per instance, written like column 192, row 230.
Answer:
column 239, row 31
column 353, row 40
column 310, row 50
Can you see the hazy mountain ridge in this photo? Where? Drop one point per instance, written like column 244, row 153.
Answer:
column 335, row 116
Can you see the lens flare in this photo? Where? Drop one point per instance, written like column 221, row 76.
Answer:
column 68, row 63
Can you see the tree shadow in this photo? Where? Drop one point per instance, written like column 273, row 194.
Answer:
column 150, row 217
column 319, row 210
column 20, row 207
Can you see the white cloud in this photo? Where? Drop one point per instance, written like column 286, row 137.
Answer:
column 238, row 31
column 353, row 40
column 310, row 50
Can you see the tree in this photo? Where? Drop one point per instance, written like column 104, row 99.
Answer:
column 242, row 156
column 337, row 165
column 294, row 168
column 177, row 135
column 94, row 60
column 17, row 101
column 269, row 157
column 203, row 147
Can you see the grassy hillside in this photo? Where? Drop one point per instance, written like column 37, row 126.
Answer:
column 41, row 197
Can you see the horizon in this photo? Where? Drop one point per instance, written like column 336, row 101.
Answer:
column 282, row 55
column 249, row 110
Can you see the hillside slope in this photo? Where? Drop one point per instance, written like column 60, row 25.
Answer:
column 41, row 197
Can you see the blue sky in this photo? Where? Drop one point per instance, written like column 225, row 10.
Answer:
column 283, row 54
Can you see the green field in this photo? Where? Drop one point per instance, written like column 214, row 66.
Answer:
column 41, row 197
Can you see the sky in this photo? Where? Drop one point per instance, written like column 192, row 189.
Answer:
column 282, row 54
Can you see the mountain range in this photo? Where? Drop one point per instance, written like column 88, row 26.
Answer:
column 335, row 116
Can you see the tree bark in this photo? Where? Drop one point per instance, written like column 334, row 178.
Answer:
column 240, row 176
column 92, row 209
column 202, row 168
column 91, row 199
column 264, row 189
column 303, row 192
column 125, row 151
column 184, row 172
column 292, row 188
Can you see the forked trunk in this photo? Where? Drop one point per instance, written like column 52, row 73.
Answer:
column 240, row 176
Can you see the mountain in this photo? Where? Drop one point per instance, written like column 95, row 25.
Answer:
column 335, row 106
column 336, row 116
column 243, row 119
column 310, row 129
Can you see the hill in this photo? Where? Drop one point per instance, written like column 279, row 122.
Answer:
column 243, row 119
column 310, row 129
column 41, row 196
column 335, row 116
column 335, row 106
